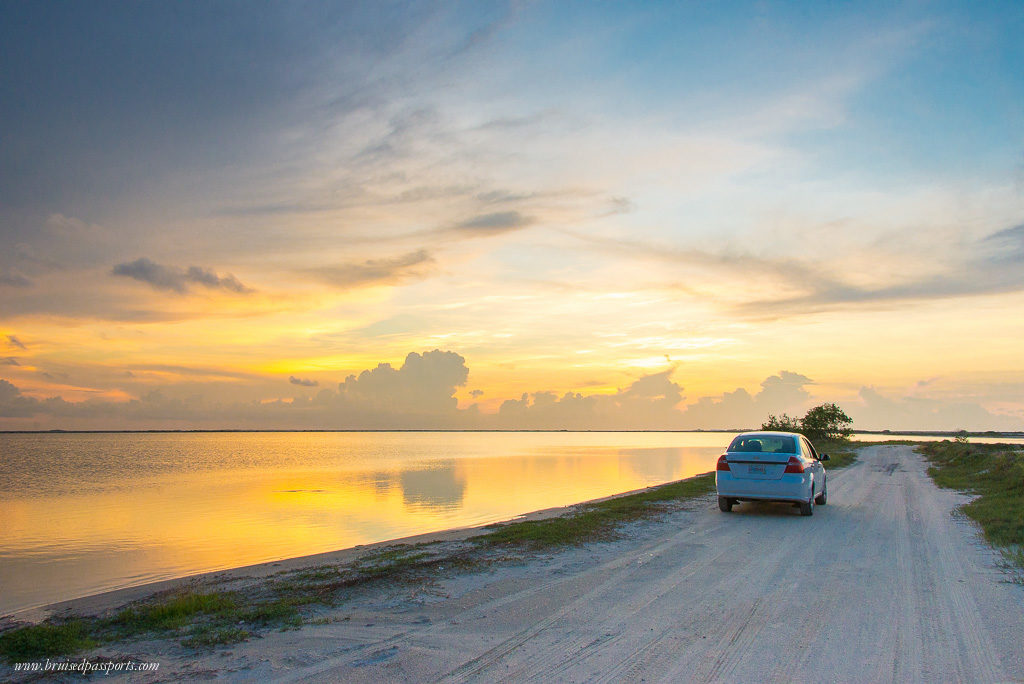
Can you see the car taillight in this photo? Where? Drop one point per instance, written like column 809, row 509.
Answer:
column 722, row 463
column 795, row 465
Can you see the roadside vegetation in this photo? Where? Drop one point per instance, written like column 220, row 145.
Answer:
column 596, row 520
column 841, row 453
column 823, row 423
column 206, row 618
column 993, row 472
column 827, row 426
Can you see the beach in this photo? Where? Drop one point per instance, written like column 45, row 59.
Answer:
column 880, row 584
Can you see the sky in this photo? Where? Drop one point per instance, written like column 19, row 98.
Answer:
column 526, row 215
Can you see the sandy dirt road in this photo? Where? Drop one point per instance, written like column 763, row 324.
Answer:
column 882, row 584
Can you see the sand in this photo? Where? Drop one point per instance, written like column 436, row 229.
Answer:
column 882, row 584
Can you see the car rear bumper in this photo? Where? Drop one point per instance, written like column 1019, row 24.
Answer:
column 790, row 487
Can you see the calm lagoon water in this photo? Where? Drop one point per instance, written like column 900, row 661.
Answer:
column 83, row 513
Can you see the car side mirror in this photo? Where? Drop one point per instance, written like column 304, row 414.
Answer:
column 823, row 457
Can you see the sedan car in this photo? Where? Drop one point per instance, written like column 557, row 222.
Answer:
column 771, row 466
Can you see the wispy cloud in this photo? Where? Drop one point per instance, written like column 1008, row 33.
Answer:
column 302, row 382
column 174, row 279
column 985, row 267
column 497, row 222
column 9, row 361
column 375, row 271
column 1006, row 245
column 12, row 278
column 14, row 341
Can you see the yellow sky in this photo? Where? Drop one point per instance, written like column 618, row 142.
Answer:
column 647, row 208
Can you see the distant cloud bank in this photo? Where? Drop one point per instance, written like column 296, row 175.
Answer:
column 420, row 394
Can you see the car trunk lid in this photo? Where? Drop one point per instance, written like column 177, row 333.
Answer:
column 757, row 466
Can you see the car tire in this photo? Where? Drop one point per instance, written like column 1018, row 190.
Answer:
column 725, row 504
column 822, row 498
column 807, row 507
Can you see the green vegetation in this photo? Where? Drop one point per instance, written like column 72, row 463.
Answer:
column 170, row 614
column 841, row 453
column 783, row 423
column 208, row 619
column 391, row 561
column 45, row 640
column 826, row 422
column 199, row 619
column 995, row 473
column 597, row 520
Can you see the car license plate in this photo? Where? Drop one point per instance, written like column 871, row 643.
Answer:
column 757, row 469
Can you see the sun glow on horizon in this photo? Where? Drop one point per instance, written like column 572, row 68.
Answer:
column 596, row 215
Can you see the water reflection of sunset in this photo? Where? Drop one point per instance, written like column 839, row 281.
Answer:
column 238, row 499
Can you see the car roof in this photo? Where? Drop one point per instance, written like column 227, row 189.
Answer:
column 769, row 433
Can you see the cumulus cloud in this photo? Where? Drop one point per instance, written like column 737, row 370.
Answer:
column 303, row 382
column 424, row 383
column 420, row 394
column 13, row 404
column 648, row 403
column 781, row 393
column 175, row 279
column 491, row 224
column 376, row 271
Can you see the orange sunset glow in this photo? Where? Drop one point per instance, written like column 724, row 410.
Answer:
column 551, row 216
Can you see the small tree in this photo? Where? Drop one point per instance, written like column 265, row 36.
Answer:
column 826, row 422
column 783, row 423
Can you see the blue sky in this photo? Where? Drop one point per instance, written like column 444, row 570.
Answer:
column 571, row 196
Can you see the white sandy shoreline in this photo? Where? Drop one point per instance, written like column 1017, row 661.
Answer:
column 104, row 601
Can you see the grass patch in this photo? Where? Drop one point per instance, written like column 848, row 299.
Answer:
column 841, row 454
column 172, row 613
column 995, row 473
column 199, row 619
column 391, row 561
column 45, row 640
column 597, row 520
column 282, row 611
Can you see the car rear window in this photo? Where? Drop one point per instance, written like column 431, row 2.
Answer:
column 770, row 444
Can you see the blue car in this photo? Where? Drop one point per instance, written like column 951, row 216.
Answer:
column 772, row 466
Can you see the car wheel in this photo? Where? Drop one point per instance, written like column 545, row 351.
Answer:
column 807, row 507
column 724, row 504
column 822, row 498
